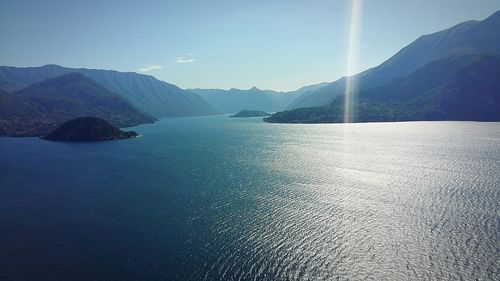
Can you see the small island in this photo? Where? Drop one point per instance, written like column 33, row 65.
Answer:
column 87, row 129
column 250, row 113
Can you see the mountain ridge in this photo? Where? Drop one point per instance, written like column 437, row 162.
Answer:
column 150, row 95
column 234, row 100
column 470, row 37
column 36, row 109
column 462, row 88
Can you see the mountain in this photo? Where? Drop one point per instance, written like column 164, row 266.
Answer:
column 286, row 99
column 471, row 37
column 149, row 95
column 311, row 88
column 88, row 129
column 250, row 113
column 234, row 100
column 321, row 96
column 463, row 87
column 38, row 108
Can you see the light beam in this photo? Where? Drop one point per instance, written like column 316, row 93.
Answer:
column 356, row 7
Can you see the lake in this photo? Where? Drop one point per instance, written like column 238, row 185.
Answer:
column 209, row 198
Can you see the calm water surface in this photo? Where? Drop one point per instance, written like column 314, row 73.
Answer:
column 238, row 199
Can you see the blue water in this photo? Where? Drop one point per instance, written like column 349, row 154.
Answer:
column 238, row 199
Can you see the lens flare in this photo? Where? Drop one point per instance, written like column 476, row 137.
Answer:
column 356, row 7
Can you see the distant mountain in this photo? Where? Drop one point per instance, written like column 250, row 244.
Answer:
column 35, row 110
column 250, row 113
column 152, row 96
column 471, row 37
column 311, row 88
column 318, row 97
column 286, row 99
column 234, row 100
column 463, row 87
column 87, row 129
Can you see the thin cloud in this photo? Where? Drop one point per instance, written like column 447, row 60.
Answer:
column 184, row 60
column 150, row 67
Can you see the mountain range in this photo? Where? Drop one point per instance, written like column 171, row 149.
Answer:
column 420, row 82
column 457, row 88
column 235, row 100
column 452, row 74
column 35, row 99
column 38, row 108
column 150, row 95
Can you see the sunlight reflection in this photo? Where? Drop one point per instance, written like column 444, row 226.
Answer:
column 355, row 18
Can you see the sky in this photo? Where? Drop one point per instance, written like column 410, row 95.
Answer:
column 271, row 44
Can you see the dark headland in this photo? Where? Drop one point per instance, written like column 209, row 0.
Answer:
column 250, row 113
column 88, row 129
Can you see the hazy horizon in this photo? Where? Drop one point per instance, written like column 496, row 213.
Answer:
column 275, row 45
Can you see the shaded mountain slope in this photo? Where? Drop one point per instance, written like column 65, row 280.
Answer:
column 39, row 107
column 471, row 37
column 148, row 94
column 457, row 88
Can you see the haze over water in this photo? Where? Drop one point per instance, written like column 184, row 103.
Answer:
column 239, row 199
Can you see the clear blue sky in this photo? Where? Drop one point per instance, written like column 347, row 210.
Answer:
column 279, row 45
